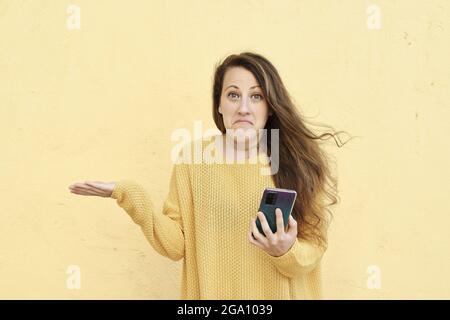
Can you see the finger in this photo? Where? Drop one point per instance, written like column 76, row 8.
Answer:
column 251, row 228
column 95, row 186
column 86, row 186
column 88, row 191
column 250, row 236
column 265, row 226
column 259, row 237
column 78, row 189
column 253, row 241
column 280, row 222
column 84, row 192
column 292, row 226
column 76, row 185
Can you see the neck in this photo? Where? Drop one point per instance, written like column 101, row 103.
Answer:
column 243, row 149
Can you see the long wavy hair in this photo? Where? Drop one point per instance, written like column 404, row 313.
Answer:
column 303, row 165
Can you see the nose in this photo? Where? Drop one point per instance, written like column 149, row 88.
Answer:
column 243, row 107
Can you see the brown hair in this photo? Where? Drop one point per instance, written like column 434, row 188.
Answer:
column 303, row 165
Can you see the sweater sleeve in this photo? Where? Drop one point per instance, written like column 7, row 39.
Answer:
column 164, row 231
column 301, row 258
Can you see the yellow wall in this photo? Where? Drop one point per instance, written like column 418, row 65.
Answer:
column 100, row 103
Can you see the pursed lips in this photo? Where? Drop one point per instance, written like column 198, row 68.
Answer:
column 241, row 120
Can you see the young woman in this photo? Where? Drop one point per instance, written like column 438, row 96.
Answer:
column 208, row 218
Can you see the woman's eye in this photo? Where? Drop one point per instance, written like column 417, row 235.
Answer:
column 235, row 95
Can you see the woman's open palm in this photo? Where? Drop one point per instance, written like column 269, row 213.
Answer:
column 93, row 188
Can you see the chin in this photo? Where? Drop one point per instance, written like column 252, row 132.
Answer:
column 247, row 132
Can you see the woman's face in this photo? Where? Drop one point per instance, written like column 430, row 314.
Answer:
column 242, row 103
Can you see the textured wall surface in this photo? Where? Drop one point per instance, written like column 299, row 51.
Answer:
column 92, row 90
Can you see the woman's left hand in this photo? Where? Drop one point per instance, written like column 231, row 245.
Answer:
column 275, row 244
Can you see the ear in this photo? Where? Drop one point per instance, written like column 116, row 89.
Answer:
column 220, row 109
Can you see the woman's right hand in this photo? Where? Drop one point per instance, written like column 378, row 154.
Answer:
column 93, row 188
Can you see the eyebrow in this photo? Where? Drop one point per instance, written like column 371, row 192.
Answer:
column 238, row 87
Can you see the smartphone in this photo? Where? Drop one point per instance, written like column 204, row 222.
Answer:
column 273, row 198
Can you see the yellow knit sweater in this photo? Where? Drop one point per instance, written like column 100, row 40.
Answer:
column 205, row 220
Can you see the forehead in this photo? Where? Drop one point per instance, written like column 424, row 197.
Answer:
column 240, row 77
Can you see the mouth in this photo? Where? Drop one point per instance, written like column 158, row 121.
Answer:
column 243, row 121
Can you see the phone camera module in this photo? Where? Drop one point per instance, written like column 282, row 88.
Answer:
column 271, row 198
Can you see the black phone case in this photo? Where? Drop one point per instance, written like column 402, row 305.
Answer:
column 284, row 200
